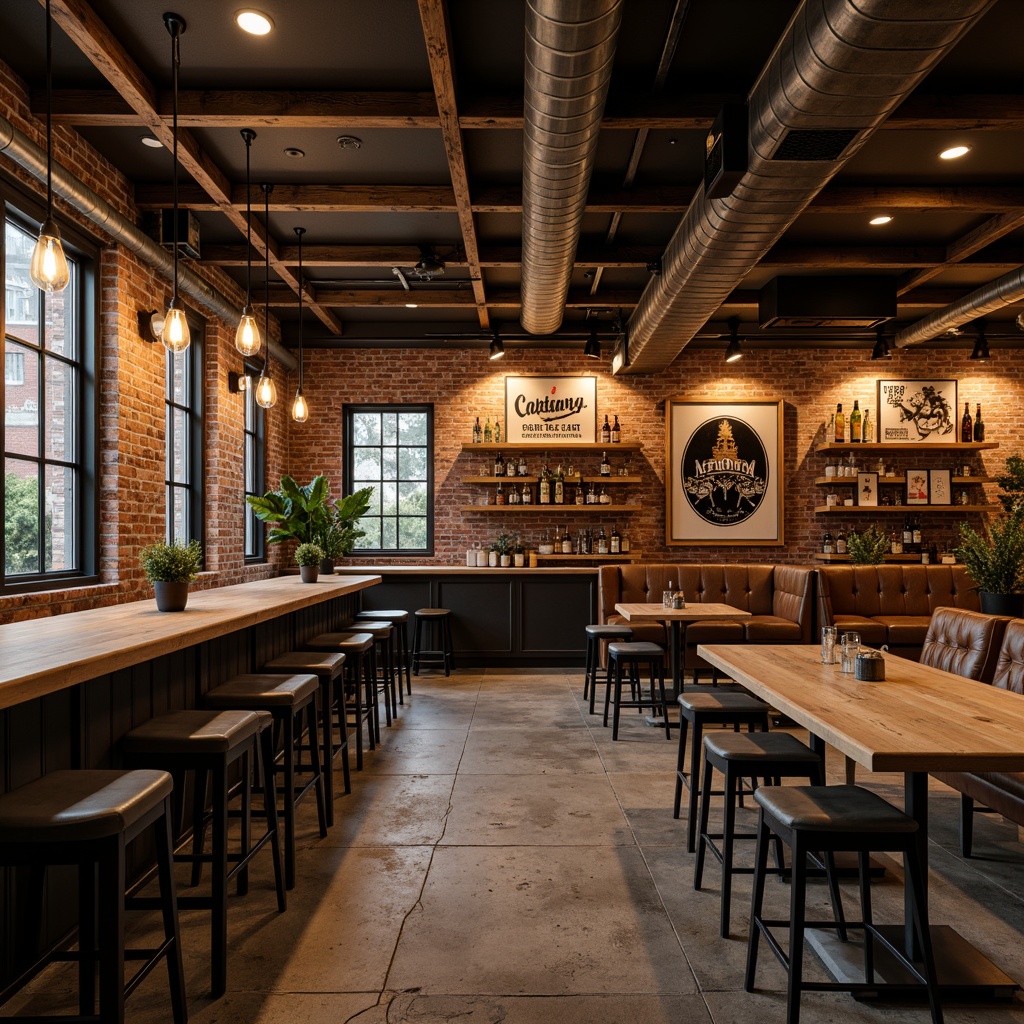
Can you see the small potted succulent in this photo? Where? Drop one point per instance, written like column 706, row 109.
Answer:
column 502, row 546
column 171, row 568
column 308, row 558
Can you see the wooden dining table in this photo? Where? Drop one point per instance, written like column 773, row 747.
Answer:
column 918, row 720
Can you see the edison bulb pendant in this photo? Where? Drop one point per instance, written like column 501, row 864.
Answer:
column 266, row 391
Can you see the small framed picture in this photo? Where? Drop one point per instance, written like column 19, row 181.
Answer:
column 917, row 486
column 939, row 490
column 867, row 488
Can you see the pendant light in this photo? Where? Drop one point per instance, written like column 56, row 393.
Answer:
column 266, row 390
column 247, row 337
column 175, row 334
column 300, row 410
column 49, row 266
column 733, row 351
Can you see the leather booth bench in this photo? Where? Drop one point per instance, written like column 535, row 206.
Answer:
column 891, row 604
column 780, row 599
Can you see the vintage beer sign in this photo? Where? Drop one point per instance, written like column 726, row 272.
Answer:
column 550, row 410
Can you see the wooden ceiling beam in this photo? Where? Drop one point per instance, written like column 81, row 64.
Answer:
column 437, row 298
column 81, row 24
column 328, row 256
column 437, row 35
column 922, row 298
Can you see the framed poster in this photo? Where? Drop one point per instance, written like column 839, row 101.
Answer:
column 917, row 486
column 867, row 488
column 916, row 411
column 940, row 491
column 723, row 477
column 550, row 410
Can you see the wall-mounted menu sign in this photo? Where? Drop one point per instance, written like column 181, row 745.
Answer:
column 550, row 410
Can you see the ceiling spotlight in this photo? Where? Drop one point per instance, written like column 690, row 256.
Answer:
column 882, row 218
column 980, row 344
column 256, row 23
column 593, row 347
column 412, row 305
column 294, row 152
column 881, row 349
column 350, row 142
column 954, row 152
column 733, row 352
column 496, row 349
column 152, row 141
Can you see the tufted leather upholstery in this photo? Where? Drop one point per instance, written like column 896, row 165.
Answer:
column 891, row 604
column 965, row 643
column 779, row 599
column 1010, row 666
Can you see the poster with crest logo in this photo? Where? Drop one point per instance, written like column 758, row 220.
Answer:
column 723, row 473
column 550, row 410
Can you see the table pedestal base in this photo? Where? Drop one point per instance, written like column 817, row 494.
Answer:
column 965, row 974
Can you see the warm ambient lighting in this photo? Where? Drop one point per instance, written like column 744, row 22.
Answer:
column 48, row 268
column 733, row 352
column 954, row 152
column 496, row 348
column 247, row 337
column 300, row 409
column 882, row 218
column 256, row 23
column 266, row 389
column 175, row 335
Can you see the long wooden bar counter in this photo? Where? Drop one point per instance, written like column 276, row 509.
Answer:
column 41, row 656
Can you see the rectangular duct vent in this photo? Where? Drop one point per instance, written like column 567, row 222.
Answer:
column 159, row 225
column 815, row 144
column 862, row 302
column 725, row 151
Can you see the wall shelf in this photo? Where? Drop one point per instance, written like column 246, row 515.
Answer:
column 632, row 556
column 550, row 447
column 905, row 559
column 910, row 446
column 578, row 509
column 855, row 509
column 851, row 481
column 570, row 481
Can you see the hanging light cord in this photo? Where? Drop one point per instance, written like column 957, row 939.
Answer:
column 266, row 309
column 300, row 232
column 49, row 114
column 175, row 61
column 248, row 134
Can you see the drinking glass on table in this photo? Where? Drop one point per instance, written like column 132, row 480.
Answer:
column 828, row 645
column 850, row 648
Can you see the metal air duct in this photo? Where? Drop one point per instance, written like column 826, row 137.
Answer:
column 839, row 69
column 25, row 153
column 570, row 47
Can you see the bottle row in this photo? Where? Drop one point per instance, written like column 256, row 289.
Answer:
column 611, row 433
column 971, row 430
column 513, row 467
column 507, row 549
column 548, row 493
column 859, row 428
column 908, row 541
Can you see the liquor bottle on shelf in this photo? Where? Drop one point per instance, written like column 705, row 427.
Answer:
column 559, row 488
column 606, row 431
column 855, row 423
column 616, row 432
column 624, row 544
column 499, row 464
column 868, row 429
column 979, row 427
column 497, row 431
column 896, row 543
column 840, row 422
column 499, row 496
column 526, row 495
column 488, row 432
column 606, row 466
column 908, row 535
column 615, row 545
column 523, row 469
column 966, row 426
column 591, row 496
column 915, row 528
column 478, row 434
column 828, row 544
column 841, row 543
column 577, row 495
column 604, row 498
column 513, row 495
column 510, row 466
column 544, row 490
column 566, row 542
column 602, row 542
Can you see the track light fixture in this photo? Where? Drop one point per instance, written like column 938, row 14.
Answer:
column 496, row 348
column 593, row 347
column 881, row 349
column 300, row 410
column 247, row 337
column 733, row 352
column 266, row 390
column 48, row 268
column 981, row 343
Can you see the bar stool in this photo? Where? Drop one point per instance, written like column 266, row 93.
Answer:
column 211, row 744
column 738, row 755
column 329, row 670
column 87, row 818
column 632, row 656
column 399, row 618
column 696, row 710
column 438, row 621
column 596, row 632
column 360, row 672
column 836, row 819
column 286, row 698
column 384, row 680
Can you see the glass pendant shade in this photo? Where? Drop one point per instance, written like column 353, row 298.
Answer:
column 49, row 267
column 176, row 336
column 300, row 410
column 247, row 337
column 266, row 390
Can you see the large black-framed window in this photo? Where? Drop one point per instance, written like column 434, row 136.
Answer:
column 253, row 468
column 183, row 404
column 49, row 427
column 391, row 448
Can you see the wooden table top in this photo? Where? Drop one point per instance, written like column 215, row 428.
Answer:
column 41, row 656
column 691, row 613
column 918, row 719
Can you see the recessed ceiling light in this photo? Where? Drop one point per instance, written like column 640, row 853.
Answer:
column 152, row 141
column 882, row 218
column 412, row 305
column 256, row 23
column 294, row 152
column 350, row 142
column 954, row 152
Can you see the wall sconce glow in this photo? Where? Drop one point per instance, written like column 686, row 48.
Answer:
column 882, row 218
column 256, row 23
column 49, row 266
column 954, row 152
column 266, row 390
column 238, row 383
column 175, row 335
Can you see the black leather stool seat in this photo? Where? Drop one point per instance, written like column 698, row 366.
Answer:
column 631, row 655
column 720, row 699
column 445, row 655
column 259, row 691
column 759, row 749
column 636, row 649
column 328, row 669
column 86, row 818
column 605, row 631
column 207, row 732
column 399, row 618
column 361, row 668
column 432, row 613
column 833, row 809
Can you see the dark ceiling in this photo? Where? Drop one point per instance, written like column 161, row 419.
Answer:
column 334, row 68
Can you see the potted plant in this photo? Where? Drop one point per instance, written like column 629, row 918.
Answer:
column 867, row 548
column 995, row 561
column 307, row 558
column 171, row 568
column 335, row 528
column 503, row 545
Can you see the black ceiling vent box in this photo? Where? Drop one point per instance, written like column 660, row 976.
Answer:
column 725, row 151
column 826, row 144
column 863, row 302
column 160, row 227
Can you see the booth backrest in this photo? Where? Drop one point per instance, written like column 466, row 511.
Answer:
column 1010, row 667
column 889, row 590
column 965, row 643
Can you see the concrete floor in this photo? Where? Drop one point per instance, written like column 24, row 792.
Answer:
column 501, row 859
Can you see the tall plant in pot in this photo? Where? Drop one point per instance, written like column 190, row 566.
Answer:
column 171, row 568
column 335, row 528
